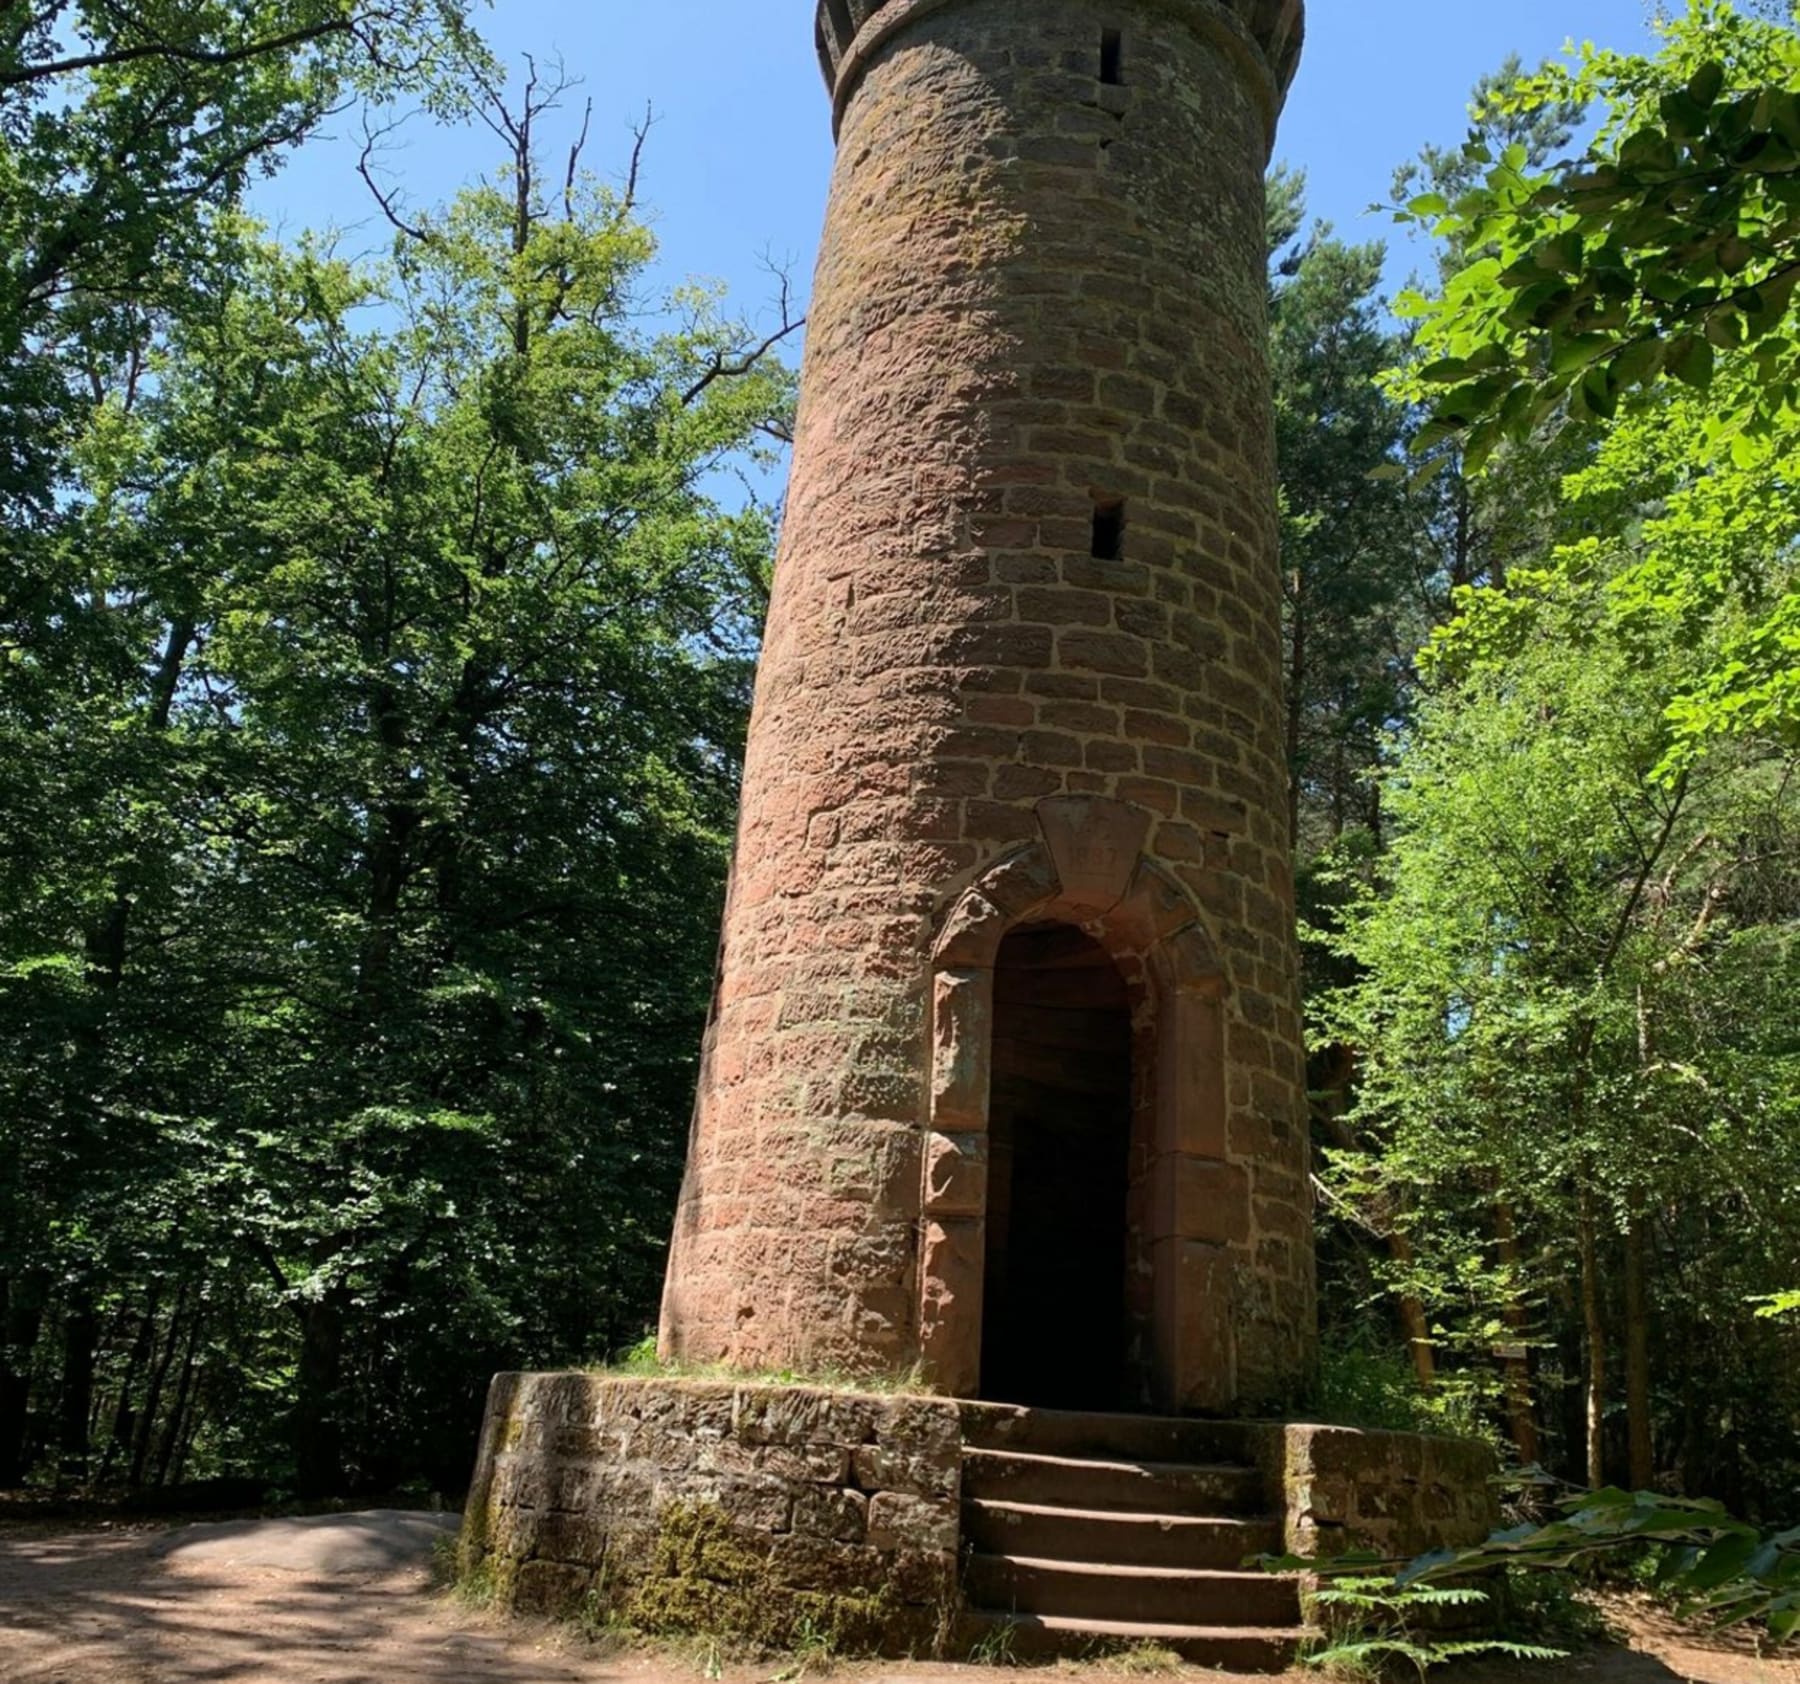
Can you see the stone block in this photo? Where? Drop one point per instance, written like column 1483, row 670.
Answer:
column 1397, row 1493
column 877, row 1468
column 759, row 1505
column 1196, row 1326
column 901, row 1523
column 818, row 1464
column 837, row 1515
column 550, row 1588
column 931, row 1426
column 951, row 1266
column 956, row 1174
column 571, row 1537
column 1203, row 1199
column 796, row 1416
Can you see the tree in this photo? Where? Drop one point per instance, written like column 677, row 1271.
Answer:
column 1351, row 543
column 126, row 136
column 1567, row 986
column 1569, row 992
column 450, row 642
column 123, row 129
column 1668, row 254
column 1372, row 564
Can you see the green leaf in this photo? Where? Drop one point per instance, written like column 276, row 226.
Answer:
column 1724, row 328
column 1724, row 1561
column 1639, row 363
column 1707, row 83
column 1578, row 352
column 1684, row 117
column 1690, row 360
column 1598, row 393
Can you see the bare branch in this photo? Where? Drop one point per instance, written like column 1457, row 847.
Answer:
column 725, row 366
column 575, row 151
column 388, row 200
column 640, row 135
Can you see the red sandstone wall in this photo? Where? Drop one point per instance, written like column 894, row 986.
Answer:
column 1033, row 290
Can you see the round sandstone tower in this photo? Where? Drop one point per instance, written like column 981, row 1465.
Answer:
column 1004, row 1077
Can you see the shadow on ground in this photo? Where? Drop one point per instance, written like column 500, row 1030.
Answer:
column 348, row 1599
column 339, row 1599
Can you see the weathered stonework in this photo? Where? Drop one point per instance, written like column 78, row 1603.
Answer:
column 759, row 1511
column 1396, row 1495
column 1004, row 1080
column 737, row 1510
column 1021, row 671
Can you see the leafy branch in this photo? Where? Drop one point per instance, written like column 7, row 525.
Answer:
column 1711, row 1565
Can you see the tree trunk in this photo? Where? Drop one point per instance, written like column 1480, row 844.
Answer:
column 81, row 1335
column 1462, row 563
column 21, row 1318
column 1414, row 1323
column 1642, row 1447
column 1328, row 1108
column 318, row 1447
column 1594, row 1329
column 195, row 1415
column 125, row 1411
column 184, row 1389
column 159, row 1377
column 1637, row 1358
column 1515, row 1363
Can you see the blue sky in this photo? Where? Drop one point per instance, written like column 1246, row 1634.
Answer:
column 741, row 153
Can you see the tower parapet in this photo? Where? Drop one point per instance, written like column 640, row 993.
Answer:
column 848, row 33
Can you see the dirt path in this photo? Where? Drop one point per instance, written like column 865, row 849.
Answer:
column 348, row 1600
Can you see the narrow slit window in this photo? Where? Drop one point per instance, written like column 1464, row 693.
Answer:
column 1112, row 57
column 1109, row 530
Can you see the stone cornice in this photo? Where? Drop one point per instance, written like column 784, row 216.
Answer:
column 1266, row 35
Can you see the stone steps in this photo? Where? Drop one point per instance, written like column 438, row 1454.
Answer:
column 1008, row 1476
column 1039, row 1637
column 1117, row 1438
column 1116, row 1536
column 1095, row 1531
column 1089, row 1590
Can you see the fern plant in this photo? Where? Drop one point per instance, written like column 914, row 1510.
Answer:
column 1375, row 1623
column 1708, row 1565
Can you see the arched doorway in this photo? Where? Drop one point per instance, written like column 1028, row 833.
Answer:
column 1059, row 1142
column 1134, row 956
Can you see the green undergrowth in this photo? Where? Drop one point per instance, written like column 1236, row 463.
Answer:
column 1375, row 1629
column 641, row 1362
column 995, row 1647
column 1365, row 1386
column 474, row 1587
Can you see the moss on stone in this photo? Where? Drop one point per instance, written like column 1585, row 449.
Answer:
column 705, row 1578
column 641, row 1362
column 483, row 1579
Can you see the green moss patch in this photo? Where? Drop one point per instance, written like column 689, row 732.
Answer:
column 704, row 1578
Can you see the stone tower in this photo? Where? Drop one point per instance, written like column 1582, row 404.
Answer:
column 1004, row 1075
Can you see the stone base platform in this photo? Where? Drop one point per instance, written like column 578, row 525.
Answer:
column 914, row 1525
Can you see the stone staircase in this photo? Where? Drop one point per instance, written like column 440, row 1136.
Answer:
column 1100, row 1531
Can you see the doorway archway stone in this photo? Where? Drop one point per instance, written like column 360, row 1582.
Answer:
column 1189, row 1204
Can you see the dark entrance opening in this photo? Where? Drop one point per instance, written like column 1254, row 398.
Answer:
column 1059, row 1138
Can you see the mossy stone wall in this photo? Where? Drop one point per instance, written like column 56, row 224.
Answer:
column 759, row 1512
column 1395, row 1494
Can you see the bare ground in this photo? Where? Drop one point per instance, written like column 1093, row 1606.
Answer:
column 349, row 1599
